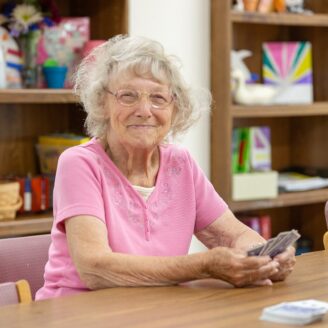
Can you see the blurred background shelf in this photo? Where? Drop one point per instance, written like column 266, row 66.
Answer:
column 37, row 96
column 283, row 200
column 299, row 132
column 315, row 109
column 280, row 19
column 32, row 224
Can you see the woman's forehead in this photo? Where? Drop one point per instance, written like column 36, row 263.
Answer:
column 131, row 79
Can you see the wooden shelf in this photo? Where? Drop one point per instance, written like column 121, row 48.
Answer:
column 280, row 19
column 315, row 109
column 26, row 225
column 37, row 96
column 299, row 132
column 283, row 200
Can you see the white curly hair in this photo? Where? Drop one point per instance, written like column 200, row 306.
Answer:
column 142, row 57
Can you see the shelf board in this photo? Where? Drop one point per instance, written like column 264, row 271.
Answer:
column 37, row 96
column 280, row 19
column 26, row 225
column 315, row 109
column 283, row 200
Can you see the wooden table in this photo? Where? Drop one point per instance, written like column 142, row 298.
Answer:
column 200, row 304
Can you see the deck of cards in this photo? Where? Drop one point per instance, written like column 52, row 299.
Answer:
column 297, row 313
column 276, row 245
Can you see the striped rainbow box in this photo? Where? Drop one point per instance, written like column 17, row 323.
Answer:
column 288, row 65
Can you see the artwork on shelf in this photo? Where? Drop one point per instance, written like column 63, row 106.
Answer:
column 288, row 65
column 64, row 43
column 10, row 61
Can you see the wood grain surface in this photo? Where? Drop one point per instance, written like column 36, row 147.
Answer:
column 200, row 304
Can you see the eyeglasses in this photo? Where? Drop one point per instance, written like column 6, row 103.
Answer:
column 128, row 98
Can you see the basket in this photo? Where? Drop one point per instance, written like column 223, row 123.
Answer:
column 10, row 200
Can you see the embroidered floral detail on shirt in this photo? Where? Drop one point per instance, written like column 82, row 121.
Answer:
column 133, row 216
column 116, row 185
column 153, row 214
column 176, row 166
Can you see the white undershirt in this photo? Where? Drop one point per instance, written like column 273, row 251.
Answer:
column 145, row 192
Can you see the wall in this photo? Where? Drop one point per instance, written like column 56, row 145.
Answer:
column 183, row 27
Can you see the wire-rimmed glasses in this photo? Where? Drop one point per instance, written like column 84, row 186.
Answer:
column 130, row 97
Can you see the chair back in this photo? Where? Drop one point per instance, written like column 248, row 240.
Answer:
column 24, row 258
column 14, row 293
column 325, row 236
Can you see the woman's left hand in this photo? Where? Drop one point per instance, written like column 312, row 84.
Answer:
column 286, row 262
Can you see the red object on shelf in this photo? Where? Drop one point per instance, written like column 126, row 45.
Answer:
column 40, row 191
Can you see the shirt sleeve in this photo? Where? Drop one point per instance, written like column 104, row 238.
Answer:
column 78, row 188
column 209, row 204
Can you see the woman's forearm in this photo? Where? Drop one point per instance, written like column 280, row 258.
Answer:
column 116, row 269
column 228, row 231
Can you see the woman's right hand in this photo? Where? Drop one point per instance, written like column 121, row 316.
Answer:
column 235, row 267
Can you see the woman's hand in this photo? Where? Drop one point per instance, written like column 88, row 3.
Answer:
column 235, row 267
column 286, row 262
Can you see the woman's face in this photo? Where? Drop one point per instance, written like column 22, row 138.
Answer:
column 140, row 125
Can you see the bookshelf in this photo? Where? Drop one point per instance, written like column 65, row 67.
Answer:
column 37, row 96
column 299, row 132
column 27, row 113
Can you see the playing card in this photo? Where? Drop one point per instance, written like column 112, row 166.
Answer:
column 278, row 240
column 270, row 243
column 283, row 243
column 276, row 245
column 299, row 312
column 255, row 251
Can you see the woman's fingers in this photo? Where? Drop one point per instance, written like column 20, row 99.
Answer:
column 260, row 274
column 287, row 262
column 239, row 269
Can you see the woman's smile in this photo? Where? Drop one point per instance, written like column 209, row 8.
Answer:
column 141, row 126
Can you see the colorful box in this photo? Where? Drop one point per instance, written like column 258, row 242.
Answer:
column 288, row 65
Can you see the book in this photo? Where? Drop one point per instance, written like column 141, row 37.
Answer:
column 293, row 181
column 253, row 222
column 251, row 149
column 244, row 150
column 235, row 150
column 265, row 226
column 260, row 148
column 261, row 224
column 309, row 170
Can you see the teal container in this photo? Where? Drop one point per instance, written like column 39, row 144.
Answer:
column 55, row 76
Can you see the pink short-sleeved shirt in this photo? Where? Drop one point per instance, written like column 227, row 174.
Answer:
column 89, row 183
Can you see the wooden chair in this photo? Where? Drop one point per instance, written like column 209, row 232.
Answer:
column 325, row 236
column 15, row 292
column 24, row 258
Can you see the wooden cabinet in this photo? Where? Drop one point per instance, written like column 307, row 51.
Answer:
column 299, row 132
column 26, row 114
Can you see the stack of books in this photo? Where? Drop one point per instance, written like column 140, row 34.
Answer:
column 293, row 181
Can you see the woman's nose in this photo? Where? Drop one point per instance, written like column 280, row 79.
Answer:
column 144, row 106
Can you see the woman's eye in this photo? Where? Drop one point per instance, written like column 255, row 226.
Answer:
column 128, row 96
column 158, row 98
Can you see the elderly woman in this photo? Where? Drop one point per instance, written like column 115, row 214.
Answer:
column 127, row 203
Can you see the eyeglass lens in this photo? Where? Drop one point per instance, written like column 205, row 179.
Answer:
column 131, row 97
